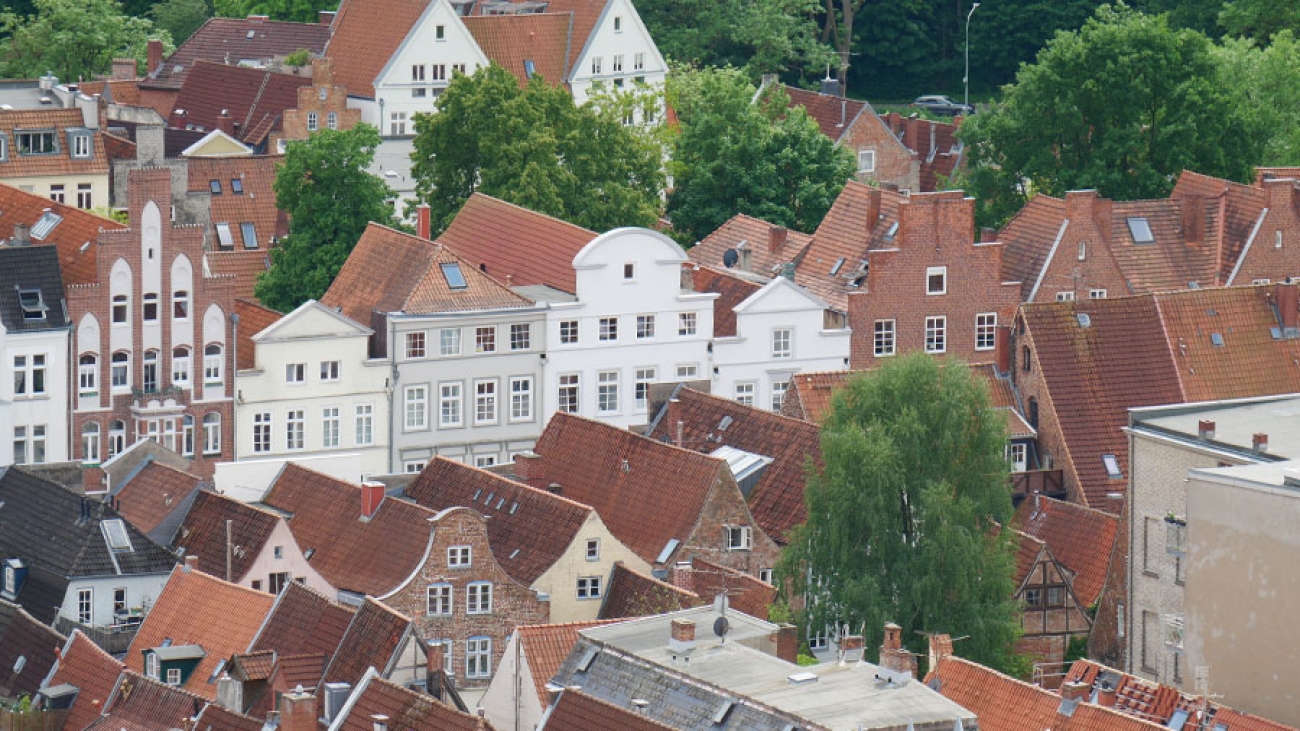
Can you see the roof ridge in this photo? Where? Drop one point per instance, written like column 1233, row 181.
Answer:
column 531, row 211
column 755, row 412
column 653, row 580
column 545, row 494
column 580, row 623
column 692, row 453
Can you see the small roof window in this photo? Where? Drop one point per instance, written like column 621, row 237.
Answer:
column 45, row 226
column 454, row 276
column 236, row 186
column 250, row 235
column 215, row 187
column 893, row 230
column 34, row 307
column 530, row 68
column 1112, row 467
column 1141, row 230
column 838, row 264
column 224, row 237
column 115, row 532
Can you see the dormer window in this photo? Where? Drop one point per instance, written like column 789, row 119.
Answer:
column 35, row 142
column 81, row 146
column 1140, row 228
column 34, row 307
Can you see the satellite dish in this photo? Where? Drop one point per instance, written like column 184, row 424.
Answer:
column 730, row 258
column 720, row 626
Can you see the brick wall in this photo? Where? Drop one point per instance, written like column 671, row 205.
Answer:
column 1106, row 643
column 1275, row 252
column 725, row 506
column 1036, row 398
column 513, row 603
column 935, row 230
column 95, row 300
column 1083, row 262
column 309, row 101
column 894, row 163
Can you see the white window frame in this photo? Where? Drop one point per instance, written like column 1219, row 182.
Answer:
column 739, row 537
column 986, row 330
column 1097, row 294
column 173, row 676
column 214, row 364
column 884, row 338
column 645, row 327
column 607, row 396
column 330, row 426
column 687, row 324
column 485, row 339
column 608, row 332
column 329, row 371
column 589, row 588
column 295, row 374
column 487, row 402
column 295, row 430
column 1067, row 296
column 416, row 341
column 415, row 400
column 88, row 374
column 262, row 428
column 478, row 657
column 521, row 336
column 521, row 398
column 460, row 557
column 568, row 332
column 866, row 161
column 212, row 433
column 478, row 597
column 451, row 395
column 449, row 341
column 439, row 600
column 930, row 273
column 181, row 367
column 936, row 334
column 745, row 392
column 779, row 389
column 364, row 421
column 86, row 606
column 687, row 371
column 783, row 343
column 593, row 549
column 568, row 393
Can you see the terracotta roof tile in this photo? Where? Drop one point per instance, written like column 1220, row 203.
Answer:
column 125, row 92
column 634, row 594
column 303, row 622
column 755, row 234
column 1007, row 704
column 366, row 33
column 367, row 284
column 231, row 40
column 71, row 235
column 577, row 711
column 1027, row 238
column 141, row 704
column 510, row 40
column 216, row 717
column 1168, row 263
column 833, row 114
column 732, row 289
column 546, row 646
column 93, row 671
column 647, row 493
column 253, row 319
column 304, row 670
column 845, row 233
column 374, row 638
column 932, row 142
column 777, row 499
column 815, row 390
column 1234, row 210
column 255, row 665
column 255, row 98
column 1237, row 721
column 585, row 14
column 364, row 556
column 23, row 636
column 118, row 148
column 405, row 709
column 153, row 494
column 1080, row 538
column 516, row 244
column 515, row 511
column 1028, row 551
column 254, row 203
column 1135, row 697
column 17, row 165
column 745, row 593
column 195, row 608
column 204, row 530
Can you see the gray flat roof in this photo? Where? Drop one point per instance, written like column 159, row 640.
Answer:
column 1235, row 422
column 1269, row 475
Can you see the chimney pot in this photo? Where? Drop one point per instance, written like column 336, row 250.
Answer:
column 1205, row 429
column 372, row 494
column 1106, row 696
column 988, row 234
column 1259, row 443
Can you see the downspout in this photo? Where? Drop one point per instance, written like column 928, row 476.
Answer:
column 518, row 639
column 234, row 392
column 392, row 416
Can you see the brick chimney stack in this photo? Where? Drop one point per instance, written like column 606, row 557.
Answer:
column 123, row 69
column 787, row 642
column 372, row 494
column 1205, row 429
column 528, row 466
column 873, row 208
column 298, row 711
column 1074, row 691
column 422, row 224
column 682, row 638
column 776, row 237
column 1002, row 349
column 682, row 576
column 1259, row 443
column 1288, row 305
column 892, row 655
column 155, row 55
column 1193, row 210
column 226, row 123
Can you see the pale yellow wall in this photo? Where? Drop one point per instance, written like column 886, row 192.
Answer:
column 40, row 185
column 561, row 580
column 292, row 562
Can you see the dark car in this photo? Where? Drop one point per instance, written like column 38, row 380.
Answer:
column 942, row 105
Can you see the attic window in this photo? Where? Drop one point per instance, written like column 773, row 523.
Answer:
column 1141, row 231
column 530, row 68
column 618, row 24
column 115, row 532
column 454, row 276
column 251, row 34
column 1112, row 467
column 237, row 186
column 1217, row 339
column 215, row 187
column 1084, row 319
column 34, row 307
column 224, row 237
column 45, row 226
column 893, row 231
column 838, row 263
column 250, row 235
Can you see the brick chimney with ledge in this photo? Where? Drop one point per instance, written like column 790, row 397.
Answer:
column 898, row 663
column 682, row 638
column 422, row 225
column 123, row 69
column 776, row 237
column 1288, row 307
column 298, row 711
column 1205, row 429
column 528, row 466
column 372, row 494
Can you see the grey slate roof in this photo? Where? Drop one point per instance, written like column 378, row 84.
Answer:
column 42, row 523
column 21, row 636
column 31, row 268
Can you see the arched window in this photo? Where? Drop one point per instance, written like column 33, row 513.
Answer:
column 212, row 362
column 181, row 366
column 121, row 370
column 119, row 309
column 116, row 437
column 87, row 374
column 180, row 305
column 90, row 443
column 151, row 371
column 212, row 433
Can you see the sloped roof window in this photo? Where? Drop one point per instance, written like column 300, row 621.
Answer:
column 45, row 226
column 455, row 277
column 1141, row 230
column 34, row 307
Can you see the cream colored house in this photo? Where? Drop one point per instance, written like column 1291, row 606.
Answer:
column 55, row 153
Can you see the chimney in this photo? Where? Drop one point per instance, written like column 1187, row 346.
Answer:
column 226, row 123
column 940, row 647
column 422, row 225
column 873, row 209
column 326, row 17
column 380, row 721
column 893, row 657
column 22, row 235
column 230, row 693
column 1259, row 443
column 372, row 494
column 434, row 655
column 852, row 648
column 682, row 638
column 787, row 642
column 988, row 235
column 1106, row 694
column 1072, row 690
column 787, row 270
column 912, row 134
column 155, row 55
column 1288, row 306
column 123, row 69
column 191, row 563
column 776, row 236
column 1205, row 429
column 682, row 576
column 1193, row 210
column 258, row 18
column 528, row 466
column 297, row 711
column 1002, row 349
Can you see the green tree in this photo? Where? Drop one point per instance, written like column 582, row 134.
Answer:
column 1123, row 105
column 736, row 154
column 903, row 520
column 535, row 148
column 301, row 11
column 74, row 39
column 1269, row 79
column 762, row 36
column 180, row 18
column 330, row 197
column 1259, row 19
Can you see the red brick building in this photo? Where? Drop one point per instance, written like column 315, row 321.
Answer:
column 323, row 105
column 152, row 339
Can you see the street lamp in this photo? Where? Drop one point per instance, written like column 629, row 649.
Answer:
column 965, row 80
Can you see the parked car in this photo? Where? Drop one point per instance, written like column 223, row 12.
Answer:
column 939, row 104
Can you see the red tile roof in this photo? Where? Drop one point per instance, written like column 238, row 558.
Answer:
column 93, row 671
column 405, row 709
column 515, row 244
column 1028, row 552
column 585, row 14
column 374, row 639
column 646, row 492
column 1080, row 538
column 216, row 717
column 24, row 636
column 514, row 509
column 1027, row 238
column 302, row 621
column 364, row 556
column 813, row 393
column 368, row 284
column 255, row 98
column 755, row 234
column 255, row 203
column 1234, row 210
column 195, row 608
column 634, row 594
column 1007, row 704
column 509, row 40
column 1237, row 721
column 1134, row 696
column 833, row 114
column 744, row 593
column 125, row 92
column 934, row 143
column 203, row 534
column 231, row 40
column 577, row 711
column 777, row 499
column 732, row 288
column 253, row 319
column 154, row 493
column 77, row 229
column 17, row 165
column 366, row 33
column 546, row 646
column 242, row 266
column 141, row 704
column 845, row 233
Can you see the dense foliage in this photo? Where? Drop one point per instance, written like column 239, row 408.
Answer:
column 301, row 11
column 324, row 186
column 737, row 155
column 535, row 148
column 180, row 18
column 903, row 521
column 73, row 39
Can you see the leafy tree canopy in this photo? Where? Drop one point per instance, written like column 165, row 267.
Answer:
column 180, row 18
column 535, row 148
column 903, row 521
column 330, row 197
column 1122, row 105
column 1259, row 19
column 1269, row 79
column 301, row 11
column 74, row 39
column 735, row 154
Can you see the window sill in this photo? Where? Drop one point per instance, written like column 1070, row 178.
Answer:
column 1150, row 574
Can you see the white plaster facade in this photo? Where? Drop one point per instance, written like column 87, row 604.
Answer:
column 631, row 324
column 511, row 699
column 780, row 331
column 620, row 54
column 39, row 416
column 314, row 391
column 139, row 592
column 560, row 581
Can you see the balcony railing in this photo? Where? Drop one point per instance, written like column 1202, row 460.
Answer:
column 1033, row 482
column 113, row 639
column 161, row 392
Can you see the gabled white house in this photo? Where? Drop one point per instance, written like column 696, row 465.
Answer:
column 630, row 324
column 780, row 330
column 314, row 390
column 618, row 52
